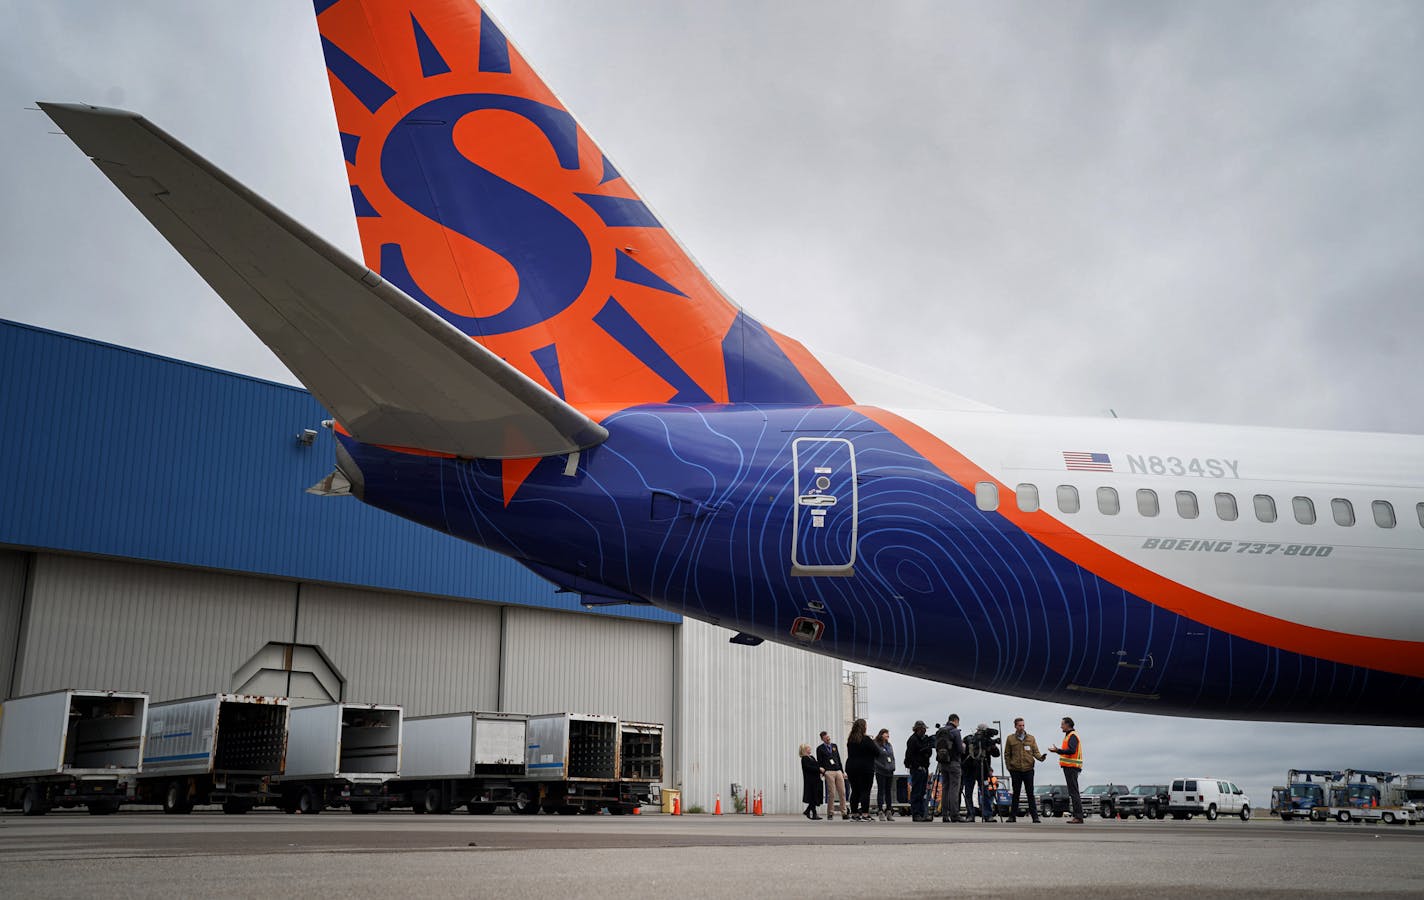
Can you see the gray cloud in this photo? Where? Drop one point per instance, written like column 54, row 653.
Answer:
column 1206, row 211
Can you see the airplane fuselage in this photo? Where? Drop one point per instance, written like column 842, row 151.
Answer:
column 913, row 542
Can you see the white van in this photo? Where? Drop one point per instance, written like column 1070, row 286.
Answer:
column 1210, row 797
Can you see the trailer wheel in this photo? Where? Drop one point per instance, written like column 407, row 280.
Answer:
column 431, row 801
column 525, row 805
column 1245, row 813
column 32, row 804
column 1387, row 818
column 308, row 803
column 1106, row 811
column 236, row 807
column 1342, row 816
column 175, row 798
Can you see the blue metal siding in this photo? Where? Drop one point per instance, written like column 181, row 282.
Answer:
column 116, row 452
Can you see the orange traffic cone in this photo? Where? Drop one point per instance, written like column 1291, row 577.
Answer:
column 756, row 806
column 638, row 810
column 676, row 806
column 717, row 810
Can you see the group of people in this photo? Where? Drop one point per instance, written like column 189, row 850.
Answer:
column 965, row 767
column 825, row 776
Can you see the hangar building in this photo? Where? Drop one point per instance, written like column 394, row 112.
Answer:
column 155, row 535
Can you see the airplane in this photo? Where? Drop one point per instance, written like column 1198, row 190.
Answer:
column 526, row 358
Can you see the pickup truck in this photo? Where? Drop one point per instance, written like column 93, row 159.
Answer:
column 1053, row 800
column 1148, row 800
column 1102, row 799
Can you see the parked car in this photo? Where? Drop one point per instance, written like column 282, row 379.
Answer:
column 1102, row 799
column 1210, row 797
column 1148, row 800
column 1053, row 799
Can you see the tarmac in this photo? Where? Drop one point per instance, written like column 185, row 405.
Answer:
column 207, row 854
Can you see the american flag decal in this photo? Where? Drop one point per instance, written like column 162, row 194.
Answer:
column 1087, row 462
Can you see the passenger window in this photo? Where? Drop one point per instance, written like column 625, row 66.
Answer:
column 1068, row 499
column 986, row 495
column 1028, row 497
column 1343, row 511
column 1226, row 507
column 1187, row 508
column 1108, row 503
column 1191, row 785
column 1265, row 508
column 1147, row 503
column 1304, row 510
column 1384, row 513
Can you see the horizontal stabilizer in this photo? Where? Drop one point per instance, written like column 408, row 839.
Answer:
column 389, row 370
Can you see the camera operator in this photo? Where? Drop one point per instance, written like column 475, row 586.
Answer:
column 983, row 746
column 918, row 748
column 949, row 750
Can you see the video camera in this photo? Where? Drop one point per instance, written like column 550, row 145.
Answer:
column 983, row 743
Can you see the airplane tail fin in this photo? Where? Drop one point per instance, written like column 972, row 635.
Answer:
column 480, row 196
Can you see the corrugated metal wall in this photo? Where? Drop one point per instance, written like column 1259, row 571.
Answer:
column 563, row 663
column 428, row 655
column 742, row 712
column 12, row 601
column 113, row 452
column 171, row 632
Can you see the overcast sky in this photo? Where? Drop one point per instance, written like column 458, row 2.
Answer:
column 1196, row 211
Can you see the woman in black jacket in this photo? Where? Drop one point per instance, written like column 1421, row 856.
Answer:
column 810, row 782
column 861, row 753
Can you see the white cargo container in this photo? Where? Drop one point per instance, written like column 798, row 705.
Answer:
column 640, row 751
column 220, row 748
column 463, row 745
column 70, row 748
column 341, row 754
column 572, row 747
column 573, row 763
column 462, row 759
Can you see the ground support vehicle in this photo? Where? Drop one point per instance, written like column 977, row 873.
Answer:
column 1210, row 797
column 1412, row 787
column 1149, row 800
column 471, row 759
column 71, row 748
column 220, row 748
column 1366, row 795
column 1306, row 794
column 640, row 760
column 1101, row 799
column 340, row 754
column 572, row 766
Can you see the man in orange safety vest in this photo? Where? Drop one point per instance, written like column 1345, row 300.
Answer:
column 1070, row 760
